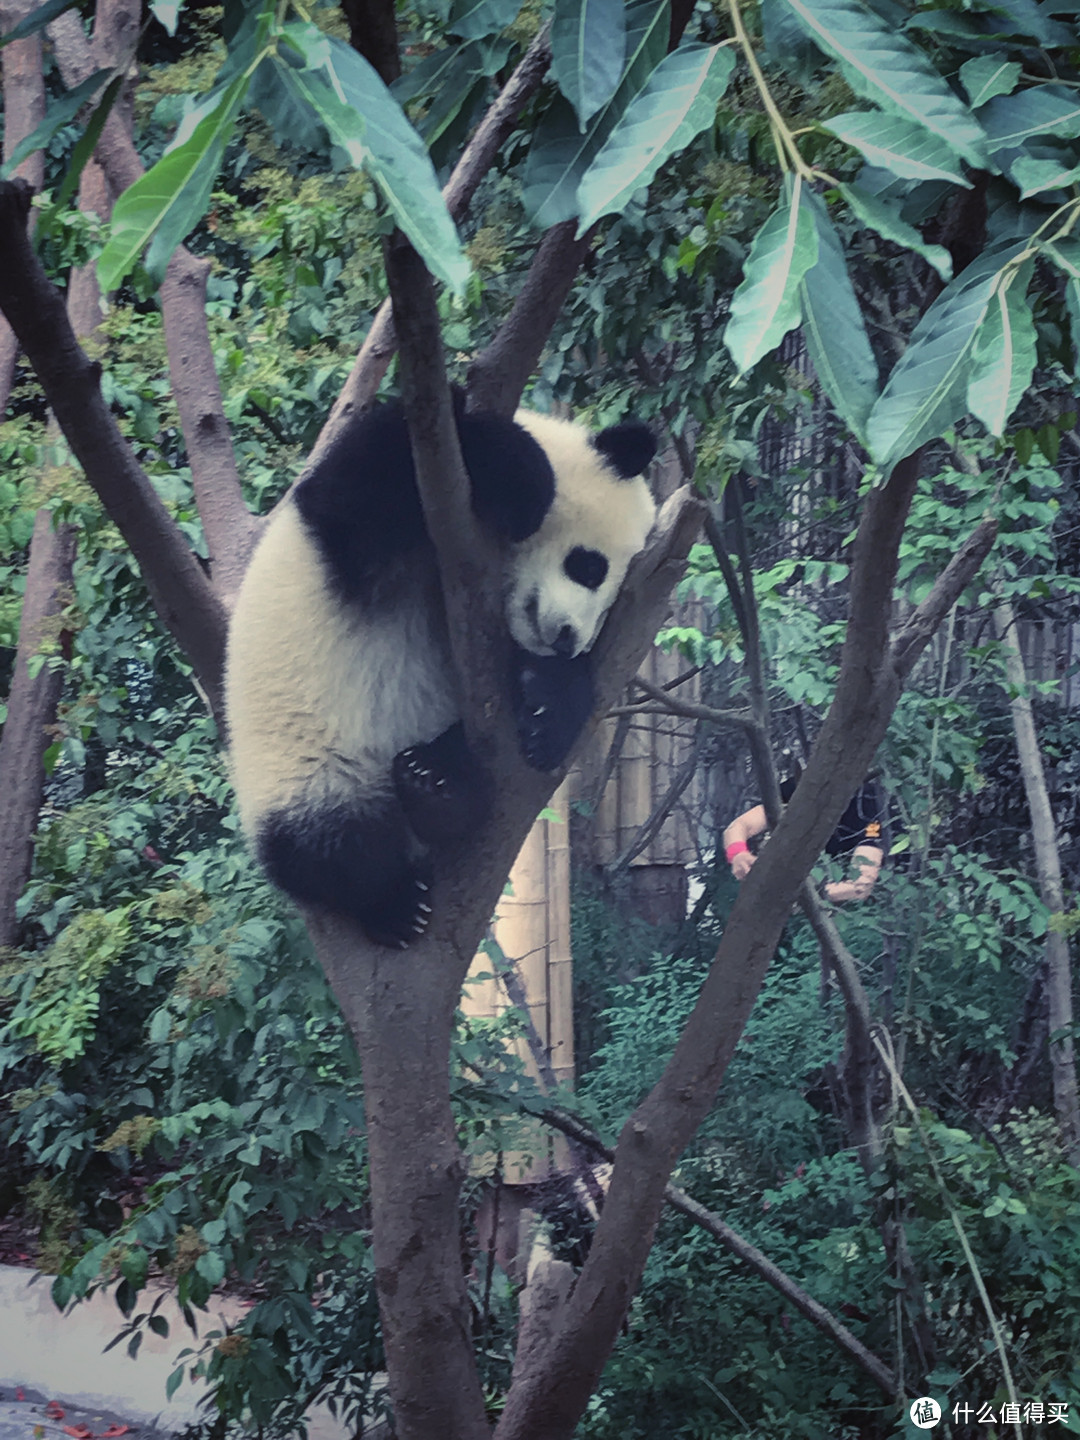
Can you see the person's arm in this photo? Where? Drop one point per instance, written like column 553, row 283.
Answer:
column 866, row 865
column 741, row 830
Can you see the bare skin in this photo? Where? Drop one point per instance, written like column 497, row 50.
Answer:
column 866, row 859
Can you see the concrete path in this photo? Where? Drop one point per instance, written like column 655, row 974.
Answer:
column 57, row 1357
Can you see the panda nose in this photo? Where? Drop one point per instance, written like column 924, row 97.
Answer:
column 564, row 642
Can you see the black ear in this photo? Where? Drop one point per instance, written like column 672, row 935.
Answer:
column 628, row 447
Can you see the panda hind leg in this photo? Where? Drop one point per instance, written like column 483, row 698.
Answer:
column 444, row 790
column 356, row 865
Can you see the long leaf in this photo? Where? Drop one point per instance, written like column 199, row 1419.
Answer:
column 897, row 145
column 767, row 303
column 588, row 50
column 1003, row 358
column 364, row 119
column 927, row 390
column 560, row 154
column 678, row 102
column 886, row 220
column 880, row 63
column 60, row 113
column 1049, row 110
column 987, row 76
column 476, row 19
column 833, row 326
column 169, row 200
column 37, row 20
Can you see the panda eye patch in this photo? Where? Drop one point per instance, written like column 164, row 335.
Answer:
column 586, row 567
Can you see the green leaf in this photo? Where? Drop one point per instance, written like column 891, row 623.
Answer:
column 885, row 219
column 364, row 119
column 897, row 145
column 767, row 303
column 833, row 326
column 474, row 19
column 84, row 146
column 987, row 76
column 927, row 390
column 560, row 154
column 60, row 113
column 1033, row 176
column 1004, row 353
column 169, row 200
column 37, row 20
column 1048, row 110
column 677, row 103
column 1072, row 305
column 588, row 48
column 881, row 64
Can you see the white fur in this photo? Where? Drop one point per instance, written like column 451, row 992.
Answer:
column 594, row 507
column 319, row 699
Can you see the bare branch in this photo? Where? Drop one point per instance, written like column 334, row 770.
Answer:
column 498, row 375
column 230, row 528
column 743, row 1250
column 35, row 310
column 668, row 704
column 469, row 563
column 948, row 587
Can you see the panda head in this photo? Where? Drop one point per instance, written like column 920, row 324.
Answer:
column 564, row 578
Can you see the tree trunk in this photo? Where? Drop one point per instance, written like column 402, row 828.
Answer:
column 1048, row 872
column 24, row 110
column 31, row 710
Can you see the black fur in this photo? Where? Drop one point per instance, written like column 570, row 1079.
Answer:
column 363, row 507
column 355, row 865
column 628, row 447
column 553, row 697
column 444, row 790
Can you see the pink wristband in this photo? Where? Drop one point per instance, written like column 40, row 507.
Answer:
column 737, row 847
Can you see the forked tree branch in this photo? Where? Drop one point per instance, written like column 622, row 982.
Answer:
column 230, row 528
column 182, row 595
column 737, row 1245
column 476, row 160
column 548, row 1402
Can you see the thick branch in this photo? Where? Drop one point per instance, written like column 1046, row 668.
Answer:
column 35, row 310
column 498, row 375
column 659, row 1129
column 230, row 528
column 24, row 109
column 31, row 709
column 743, row 1250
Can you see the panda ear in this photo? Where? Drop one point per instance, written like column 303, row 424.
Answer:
column 628, row 447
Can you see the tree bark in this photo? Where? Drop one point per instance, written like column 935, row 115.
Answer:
column 32, row 705
column 24, row 109
column 180, row 591
column 548, row 1402
column 1048, row 871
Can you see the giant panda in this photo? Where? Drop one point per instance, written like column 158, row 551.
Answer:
column 347, row 752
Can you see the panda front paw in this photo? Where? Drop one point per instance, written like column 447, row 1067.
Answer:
column 552, row 701
column 444, row 792
column 403, row 913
